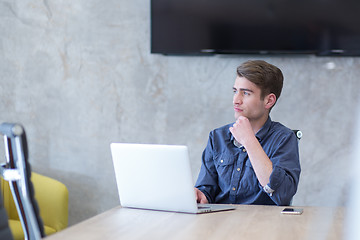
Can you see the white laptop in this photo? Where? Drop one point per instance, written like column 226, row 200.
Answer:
column 157, row 177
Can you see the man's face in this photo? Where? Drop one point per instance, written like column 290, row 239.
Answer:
column 247, row 100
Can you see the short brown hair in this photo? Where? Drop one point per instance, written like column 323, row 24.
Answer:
column 266, row 76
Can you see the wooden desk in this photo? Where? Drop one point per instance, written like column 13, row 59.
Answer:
column 246, row 222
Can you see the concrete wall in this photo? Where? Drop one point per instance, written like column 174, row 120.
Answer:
column 79, row 75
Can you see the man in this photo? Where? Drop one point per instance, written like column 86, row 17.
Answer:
column 254, row 160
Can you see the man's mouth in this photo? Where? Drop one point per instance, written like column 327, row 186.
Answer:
column 236, row 109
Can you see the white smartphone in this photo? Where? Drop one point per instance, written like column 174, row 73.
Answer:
column 293, row 211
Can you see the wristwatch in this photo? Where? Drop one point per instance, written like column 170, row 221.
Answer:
column 237, row 144
column 268, row 190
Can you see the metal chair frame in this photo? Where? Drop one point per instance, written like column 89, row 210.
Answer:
column 17, row 172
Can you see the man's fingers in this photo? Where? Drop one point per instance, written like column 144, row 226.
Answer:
column 200, row 196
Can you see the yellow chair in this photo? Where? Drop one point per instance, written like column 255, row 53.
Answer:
column 52, row 197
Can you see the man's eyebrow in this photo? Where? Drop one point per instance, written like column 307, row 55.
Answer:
column 243, row 89
column 247, row 90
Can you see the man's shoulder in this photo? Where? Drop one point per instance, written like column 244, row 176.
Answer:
column 278, row 129
column 279, row 126
column 222, row 132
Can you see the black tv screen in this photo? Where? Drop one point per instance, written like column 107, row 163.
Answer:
column 322, row 27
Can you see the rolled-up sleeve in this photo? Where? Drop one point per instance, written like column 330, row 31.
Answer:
column 285, row 176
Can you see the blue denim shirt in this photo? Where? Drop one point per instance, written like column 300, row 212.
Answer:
column 227, row 176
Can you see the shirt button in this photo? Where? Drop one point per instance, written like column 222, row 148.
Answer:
column 244, row 150
column 233, row 189
column 221, row 161
column 238, row 169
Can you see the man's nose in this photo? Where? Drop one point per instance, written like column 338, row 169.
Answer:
column 237, row 98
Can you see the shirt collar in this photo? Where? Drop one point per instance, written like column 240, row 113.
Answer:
column 261, row 133
column 264, row 130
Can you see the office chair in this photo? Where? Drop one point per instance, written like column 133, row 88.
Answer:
column 17, row 172
column 52, row 198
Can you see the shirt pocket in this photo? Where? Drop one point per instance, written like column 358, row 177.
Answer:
column 224, row 163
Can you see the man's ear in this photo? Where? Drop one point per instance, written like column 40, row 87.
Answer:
column 270, row 101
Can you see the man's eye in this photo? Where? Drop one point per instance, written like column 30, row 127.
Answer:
column 246, row 93
column 234, row 91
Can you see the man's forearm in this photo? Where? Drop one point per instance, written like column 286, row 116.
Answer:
column 259, row 160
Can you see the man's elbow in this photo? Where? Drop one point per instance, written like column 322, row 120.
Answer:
column 283, row 199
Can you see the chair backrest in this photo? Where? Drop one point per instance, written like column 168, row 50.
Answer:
column 18, row 172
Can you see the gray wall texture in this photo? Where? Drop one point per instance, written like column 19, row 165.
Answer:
column 79, row 75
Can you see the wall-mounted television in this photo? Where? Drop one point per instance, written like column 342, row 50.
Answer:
column 192, row 27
